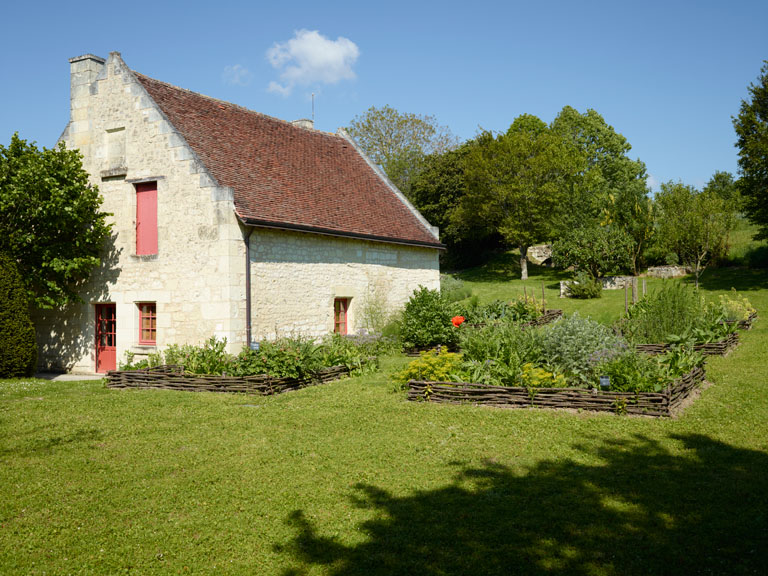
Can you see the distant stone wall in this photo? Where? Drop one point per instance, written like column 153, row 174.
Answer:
column 609, row 283
column 668, row 271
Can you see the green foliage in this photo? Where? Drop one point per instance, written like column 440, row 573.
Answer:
column 517, row 310
column 432, row 366
column 676, row 313
column 18, row 348
column 584, row 286
column 694, row 225
column 452, row 289
column 399, row 141
column 295, row 357
column 576, row 345
column 50, row 220
column 517, row 185
column 751, row 127
column 426, row 320
column 600, row 250
column 536, row 377
column 735, row 307
column 634, row 372
column 610, row 181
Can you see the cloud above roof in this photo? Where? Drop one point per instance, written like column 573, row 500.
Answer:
column 311, row 58
column 237, row 75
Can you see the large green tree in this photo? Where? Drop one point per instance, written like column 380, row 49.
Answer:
column 398, row 141
column 51, row 223
column 518, row 185
column 751, row 127
column 692, row 224
column 608, row 172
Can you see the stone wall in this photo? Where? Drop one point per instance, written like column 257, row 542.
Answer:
column 295, row 278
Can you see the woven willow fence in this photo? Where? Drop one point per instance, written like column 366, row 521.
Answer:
column 719, row 348
column 744, row 324
column 173, row 378
column 665, row 403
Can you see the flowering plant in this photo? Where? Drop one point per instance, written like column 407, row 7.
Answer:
column 457, row 320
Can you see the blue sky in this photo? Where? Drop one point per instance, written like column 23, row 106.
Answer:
column 667, row 75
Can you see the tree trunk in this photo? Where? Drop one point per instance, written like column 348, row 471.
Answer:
column 524, row 262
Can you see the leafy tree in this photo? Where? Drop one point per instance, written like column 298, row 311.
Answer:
column 18, row 349
column 692, row 224
column 518, row 185
column 632, row 210
column 599, row 250
column 608, row 173
column 50, row 220
column 399, row 141
column 723, row 185
column 751, row 127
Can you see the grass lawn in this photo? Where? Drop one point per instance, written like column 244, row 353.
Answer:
column 349, row 478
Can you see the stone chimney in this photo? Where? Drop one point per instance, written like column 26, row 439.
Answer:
column 83, row 70
column 305, row 123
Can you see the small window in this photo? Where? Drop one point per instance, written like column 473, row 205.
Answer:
column 146, row 218
column 340, row 308
column 147, row 323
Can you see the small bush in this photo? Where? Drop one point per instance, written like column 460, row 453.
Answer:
column 426, row 321
column 452, row 289
column 735, row 307
column 18, row 348
column 585, row 287
column 576, row 345
column 437, row 367
column 634, row 372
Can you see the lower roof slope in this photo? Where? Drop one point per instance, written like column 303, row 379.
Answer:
column 287, row 176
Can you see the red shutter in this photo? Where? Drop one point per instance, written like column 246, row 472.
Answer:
column 146, row 218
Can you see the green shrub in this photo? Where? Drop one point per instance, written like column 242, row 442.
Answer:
column 426, row 321
column 437, row 367
column 632, row 371
column 599, row 250
column 575, row 346
column 517, row 310
column 452, row 289
column 735, row 307
column 585, row 287
column 18, row 348
column 675, row 313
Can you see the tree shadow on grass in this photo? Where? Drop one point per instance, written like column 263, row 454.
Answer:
column 743, row 279
column 641, row 510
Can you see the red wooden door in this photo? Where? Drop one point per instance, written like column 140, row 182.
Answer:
column 106, row 337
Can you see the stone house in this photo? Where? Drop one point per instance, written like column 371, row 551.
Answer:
column 227, row 223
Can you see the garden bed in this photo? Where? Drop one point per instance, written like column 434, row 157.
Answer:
column 744, row 324
column 173, row 378
column 719, row 348
column 548, row 317
column 665, row 403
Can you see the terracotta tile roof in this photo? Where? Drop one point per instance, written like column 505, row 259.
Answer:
column 286, row 176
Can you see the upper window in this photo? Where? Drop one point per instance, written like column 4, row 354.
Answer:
column 340, row 309
column 147, row 323
column 146, row 218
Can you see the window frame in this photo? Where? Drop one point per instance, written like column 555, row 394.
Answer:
column 341, row 316
column 150, row 315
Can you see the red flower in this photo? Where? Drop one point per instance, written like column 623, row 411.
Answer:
column 457, row 320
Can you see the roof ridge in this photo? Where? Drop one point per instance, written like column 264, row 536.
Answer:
column 238, row 106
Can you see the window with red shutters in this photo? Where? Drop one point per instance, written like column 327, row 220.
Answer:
column 146, row 218
column 147, row 323
column 340, row 308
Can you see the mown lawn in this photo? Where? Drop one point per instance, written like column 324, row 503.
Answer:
column 349, row 478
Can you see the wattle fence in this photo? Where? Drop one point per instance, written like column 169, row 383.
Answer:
column 665, row 403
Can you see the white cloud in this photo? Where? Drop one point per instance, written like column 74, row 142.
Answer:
column 309, row 58
column 237, row 75
column 653, row 184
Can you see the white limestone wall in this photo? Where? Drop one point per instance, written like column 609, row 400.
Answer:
column 296, row 276
column 197, row 278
